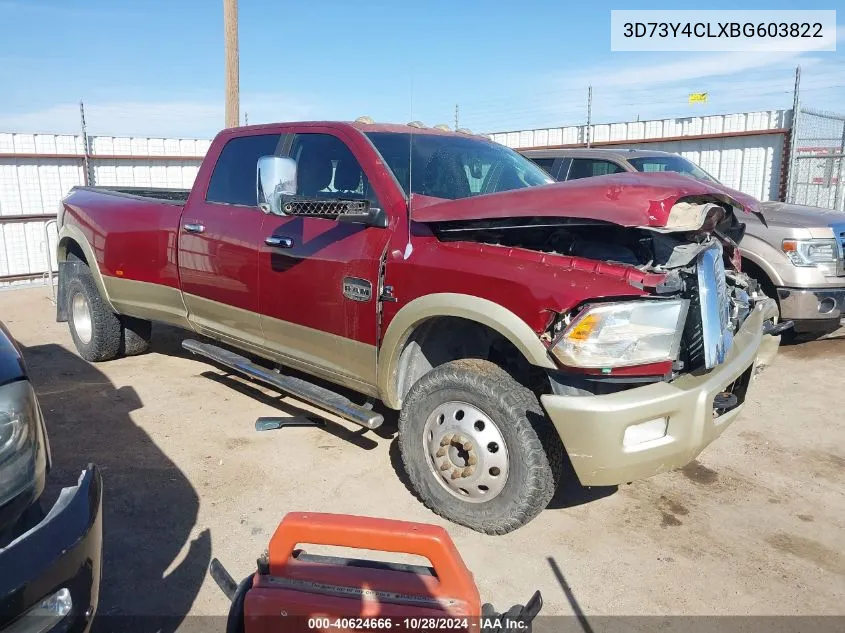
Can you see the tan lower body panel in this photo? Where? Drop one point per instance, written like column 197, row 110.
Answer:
column 218, row 318
column 334, row 358
column 337, row 354
column 146, row 301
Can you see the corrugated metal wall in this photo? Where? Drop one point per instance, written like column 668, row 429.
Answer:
column 751, row 164
column 37, row 170
column 725, row 146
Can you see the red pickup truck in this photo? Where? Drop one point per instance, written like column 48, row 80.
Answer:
column 514, row 323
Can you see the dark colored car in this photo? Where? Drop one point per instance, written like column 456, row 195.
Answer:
column 49, row 562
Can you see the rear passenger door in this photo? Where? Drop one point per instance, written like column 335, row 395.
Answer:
column 319, row 278
column 220, row 240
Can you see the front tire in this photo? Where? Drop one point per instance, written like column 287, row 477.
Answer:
column 94, row 328
column 478, row 448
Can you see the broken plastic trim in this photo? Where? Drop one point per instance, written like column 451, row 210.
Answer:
column 690, row 216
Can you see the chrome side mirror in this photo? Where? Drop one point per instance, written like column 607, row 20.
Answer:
column 276, row 179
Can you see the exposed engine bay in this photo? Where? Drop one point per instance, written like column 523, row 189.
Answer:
column 700, row 266
column 648, row 249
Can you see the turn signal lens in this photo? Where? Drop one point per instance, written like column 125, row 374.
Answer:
column 584, row 328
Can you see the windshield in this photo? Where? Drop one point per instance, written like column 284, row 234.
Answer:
column 453, row 167
column 676, row 164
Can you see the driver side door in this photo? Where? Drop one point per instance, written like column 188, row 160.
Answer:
column 318, row 277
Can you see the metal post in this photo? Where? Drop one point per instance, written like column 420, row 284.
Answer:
column 589, row 112
column 87, row 176
column 793, row 138
column 49, row 273
column 230, row 29
column 456, row 116
column 837, row 195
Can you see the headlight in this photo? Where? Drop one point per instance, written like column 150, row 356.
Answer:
column 822, row 253
column 623, row 334
column 22, row 459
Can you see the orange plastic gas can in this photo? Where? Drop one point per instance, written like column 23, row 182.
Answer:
column 301, row 593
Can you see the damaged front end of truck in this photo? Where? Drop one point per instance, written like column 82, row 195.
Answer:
column 676, row 240
column 655, row 331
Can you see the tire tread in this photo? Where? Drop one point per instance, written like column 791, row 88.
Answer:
column 537, row 438
column 106, row 335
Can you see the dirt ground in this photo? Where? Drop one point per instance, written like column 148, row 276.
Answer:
column 755, row 526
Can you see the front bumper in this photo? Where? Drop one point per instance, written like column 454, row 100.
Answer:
column 63, row 551
column 817, row 306
column 592, row 428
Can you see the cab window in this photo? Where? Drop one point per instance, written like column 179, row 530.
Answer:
column 589, row 167
column 546, row 164
column 233, row 178
column 327, row 168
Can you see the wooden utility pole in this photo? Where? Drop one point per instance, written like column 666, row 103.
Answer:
column 230, row 29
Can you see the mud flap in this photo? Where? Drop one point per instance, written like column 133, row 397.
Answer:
column 67, row 270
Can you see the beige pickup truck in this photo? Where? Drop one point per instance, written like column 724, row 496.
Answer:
column 797, row 253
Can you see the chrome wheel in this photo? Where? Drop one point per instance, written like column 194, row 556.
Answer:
column 466, row 452
column 81, row 315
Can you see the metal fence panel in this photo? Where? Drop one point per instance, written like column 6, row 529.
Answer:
column 740, row 123
column 744, row 150
column 37, row 170
column 817, row 169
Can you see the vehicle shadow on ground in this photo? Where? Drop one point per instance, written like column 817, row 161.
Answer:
column 569, row 493
column 168, row 340
column 151, row 566
column 808, row 346
column 232, row 381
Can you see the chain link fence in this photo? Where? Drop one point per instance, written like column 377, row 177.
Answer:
column 817, row 166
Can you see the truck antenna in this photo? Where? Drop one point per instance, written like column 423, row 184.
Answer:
column 408, row 247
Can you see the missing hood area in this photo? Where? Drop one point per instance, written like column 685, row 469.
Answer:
column 648, row 249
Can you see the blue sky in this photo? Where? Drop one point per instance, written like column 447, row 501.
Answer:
column 155, row 67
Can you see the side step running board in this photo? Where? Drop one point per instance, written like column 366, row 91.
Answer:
column 296, row 387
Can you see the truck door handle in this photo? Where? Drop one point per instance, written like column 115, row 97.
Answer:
column 193, row 228
column 279, row 242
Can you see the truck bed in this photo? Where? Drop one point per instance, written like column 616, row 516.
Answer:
column 173, row 196
column 133, row 231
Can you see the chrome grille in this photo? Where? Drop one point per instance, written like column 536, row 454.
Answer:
column 715, row 306
column 692, row 343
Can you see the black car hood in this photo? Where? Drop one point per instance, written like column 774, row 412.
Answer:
column 12, row 366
